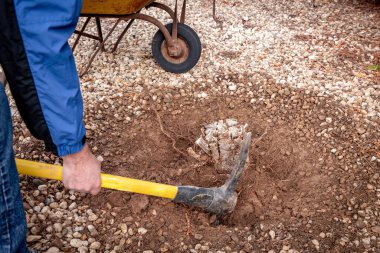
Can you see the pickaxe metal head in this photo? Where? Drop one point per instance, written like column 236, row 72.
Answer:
column 217, row 200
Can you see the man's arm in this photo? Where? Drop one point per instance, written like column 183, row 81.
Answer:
column 43, row 80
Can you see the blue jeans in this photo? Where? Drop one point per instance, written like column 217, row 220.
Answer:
column 12, row 217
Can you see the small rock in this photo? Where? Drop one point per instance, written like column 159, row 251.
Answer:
column 77, row 235
column 42, row 187
column 92, row 230
column 272, row 234
column 124, row 228
column 92, row 217
column 366, row 241
column 361, row 130
column 235, row 238
column 376, row 229
column 100, row 158
column 360, row 224
column 52, row 250
column 198, row 236
column 115, row 199
column 76, row 243
column 36, row 193
column 54, row 205
column 95, row 245
column 63, row 205
column 35, row 230
column 139, row 203
column 58, row 195
column 73, row 206
column 33, row 238
column 232, row 87
column 57, row 227
column 142, row 231
column 37, row 182
column 82, row 249
column 204, row 248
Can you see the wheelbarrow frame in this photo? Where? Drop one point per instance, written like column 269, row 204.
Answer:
column 171, row 39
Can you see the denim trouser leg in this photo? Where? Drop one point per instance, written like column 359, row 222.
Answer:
column 12, row 217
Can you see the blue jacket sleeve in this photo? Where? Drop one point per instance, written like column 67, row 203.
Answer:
column 44, row 27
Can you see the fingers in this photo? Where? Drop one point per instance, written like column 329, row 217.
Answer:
column 96, row 188
column 95, row 191
column 91, row 185
column 81, row 172
column 92, row 189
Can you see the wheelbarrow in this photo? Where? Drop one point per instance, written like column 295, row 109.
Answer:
column 176, row 47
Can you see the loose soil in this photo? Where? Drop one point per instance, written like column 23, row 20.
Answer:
column 290, row 185
column 285, row 185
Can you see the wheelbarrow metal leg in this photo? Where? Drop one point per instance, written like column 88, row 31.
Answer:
column 175, row 22
column 100, row 33
column 162, row 7
column 214, row 10
column 155, row 22
column 183, row 13
column 122, row 35
column 80, row 33
column 99, row 48
column 171, row 40
column 175, row 49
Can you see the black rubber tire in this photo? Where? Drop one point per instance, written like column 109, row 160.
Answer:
column 193, row 42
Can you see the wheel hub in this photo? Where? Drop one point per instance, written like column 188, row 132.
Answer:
column 176, row 54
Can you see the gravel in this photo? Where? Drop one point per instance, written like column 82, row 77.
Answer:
column 279, row 58
column 308, row 47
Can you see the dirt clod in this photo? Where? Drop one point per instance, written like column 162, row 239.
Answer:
column 116, row 200
column 138, row 203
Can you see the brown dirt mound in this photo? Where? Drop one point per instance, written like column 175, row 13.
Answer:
column 282, row 183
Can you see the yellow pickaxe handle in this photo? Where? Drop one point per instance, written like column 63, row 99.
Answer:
column 49, row 171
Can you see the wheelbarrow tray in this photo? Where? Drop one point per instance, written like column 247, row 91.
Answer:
column 113, row 7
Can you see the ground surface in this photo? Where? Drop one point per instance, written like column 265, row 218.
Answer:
column 296, row 70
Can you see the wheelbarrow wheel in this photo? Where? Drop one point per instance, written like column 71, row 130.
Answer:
column 190, row 44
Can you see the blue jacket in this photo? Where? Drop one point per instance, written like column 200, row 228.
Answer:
column 40, row 69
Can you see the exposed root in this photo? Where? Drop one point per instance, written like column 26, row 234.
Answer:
column 189, row 230
column 168, row 135
column 257, row 140
column 194, row 155
column 244, row 189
